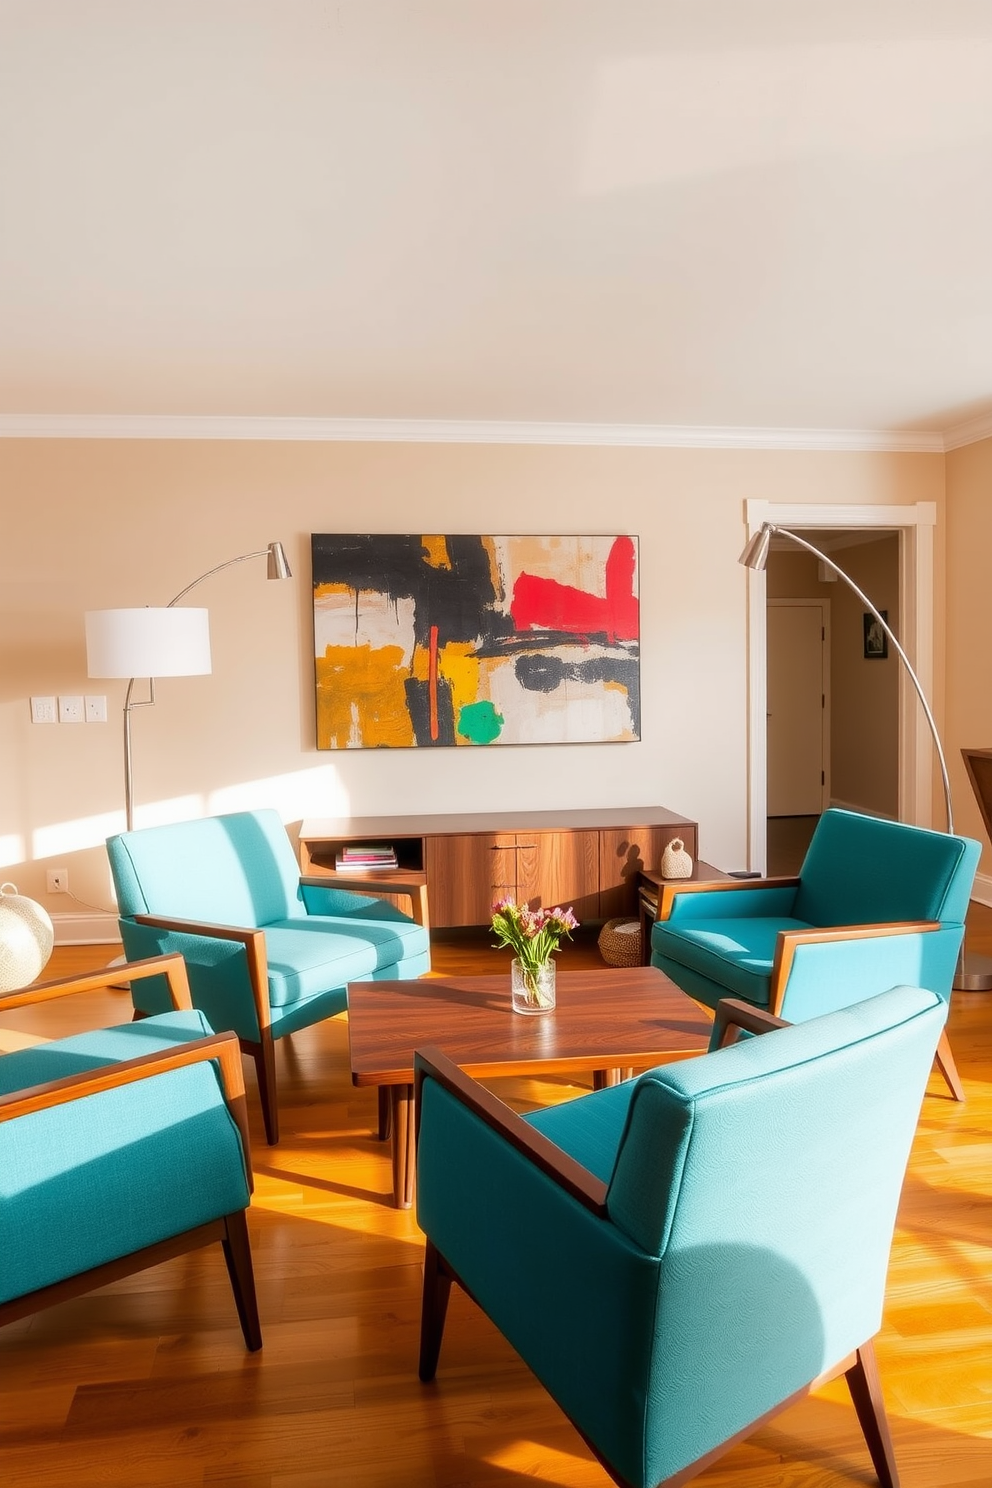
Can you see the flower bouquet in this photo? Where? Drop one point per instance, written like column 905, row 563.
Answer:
column 534, row 935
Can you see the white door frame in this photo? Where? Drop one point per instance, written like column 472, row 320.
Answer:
column 915, row 525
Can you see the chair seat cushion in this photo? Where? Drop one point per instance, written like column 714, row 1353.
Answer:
column 324, row 951
column 86, row 1051
column 735, row 953
column 589, row 1128
column 107, row 1174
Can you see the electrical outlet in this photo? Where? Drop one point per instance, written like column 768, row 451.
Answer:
column 70, row 710
column 43, row 710
column 96, row 709
column 57, row 880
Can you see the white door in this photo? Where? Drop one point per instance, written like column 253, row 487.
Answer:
column 798, row 684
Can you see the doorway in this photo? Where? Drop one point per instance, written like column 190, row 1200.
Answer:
column 798, row 727
column 870, row 764
column 833, row 726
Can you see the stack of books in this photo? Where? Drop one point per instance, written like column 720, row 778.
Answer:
column 365, row 859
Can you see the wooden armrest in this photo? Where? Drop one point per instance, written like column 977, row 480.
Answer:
column 252, row 939
column 789, row 941
column 171, row 966
column 388, row 881
column 222, row 1048
column 430, row 1063
column 670, row 890
column 734, row 1016
column 198, row 927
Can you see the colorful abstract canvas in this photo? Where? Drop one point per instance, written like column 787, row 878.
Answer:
column 431, row 641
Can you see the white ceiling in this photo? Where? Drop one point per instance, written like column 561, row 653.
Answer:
column 720, row 213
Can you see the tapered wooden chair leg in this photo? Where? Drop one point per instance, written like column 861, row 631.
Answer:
column 866, row 1393
column 947, row 1067
column 264, row 1055
column 385, row 1113
column 237, row 1254
column 437, row 1289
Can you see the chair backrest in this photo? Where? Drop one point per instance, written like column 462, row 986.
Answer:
column 234, row 870
column 766, row 1176
column 862, row 870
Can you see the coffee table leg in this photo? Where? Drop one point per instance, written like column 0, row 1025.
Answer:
column 384, row 1113
column 605, row 1079
column 404, row 1155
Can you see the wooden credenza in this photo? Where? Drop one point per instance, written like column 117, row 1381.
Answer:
column 589, row 859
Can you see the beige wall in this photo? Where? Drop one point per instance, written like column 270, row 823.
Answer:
column 91, row 524
column 969, row 627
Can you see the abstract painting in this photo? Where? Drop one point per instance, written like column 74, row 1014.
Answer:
column 434, row 641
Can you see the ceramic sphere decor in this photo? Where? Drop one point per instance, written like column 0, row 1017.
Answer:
column 26, row 939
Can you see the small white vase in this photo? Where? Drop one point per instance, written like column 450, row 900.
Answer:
column 675, row 861
column 533, row 991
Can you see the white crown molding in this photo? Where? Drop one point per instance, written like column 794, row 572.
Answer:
column 969, row 432
column 455, row 431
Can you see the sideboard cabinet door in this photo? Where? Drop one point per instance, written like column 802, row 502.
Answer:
column 465, row 873
column 559, row 869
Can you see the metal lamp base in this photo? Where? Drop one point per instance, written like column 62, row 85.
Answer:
column 974, row 974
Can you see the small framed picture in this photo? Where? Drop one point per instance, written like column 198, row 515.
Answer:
column 876, row 641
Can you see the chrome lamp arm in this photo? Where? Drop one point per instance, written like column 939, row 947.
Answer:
column 755, row 556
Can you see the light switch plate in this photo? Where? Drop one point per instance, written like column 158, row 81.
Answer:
column 96, row 709
column 70, row 710
column 43, row 710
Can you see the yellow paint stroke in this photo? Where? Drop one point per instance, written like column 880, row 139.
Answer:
column 436, row 551
column 361, row 698
column 496, row 576
column 460, row 668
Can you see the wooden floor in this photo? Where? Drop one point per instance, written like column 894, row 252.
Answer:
column 147, row 1382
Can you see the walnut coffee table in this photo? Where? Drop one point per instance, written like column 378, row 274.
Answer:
column 606, row 1021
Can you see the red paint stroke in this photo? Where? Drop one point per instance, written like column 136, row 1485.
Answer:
column 544, row 604
column 432, row 681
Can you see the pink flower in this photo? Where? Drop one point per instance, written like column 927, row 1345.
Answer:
column 532, row 934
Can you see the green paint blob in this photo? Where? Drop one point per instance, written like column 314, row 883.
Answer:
column 480, row 723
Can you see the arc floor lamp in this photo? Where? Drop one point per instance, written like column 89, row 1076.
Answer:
column 974, row 974
column 159, row 642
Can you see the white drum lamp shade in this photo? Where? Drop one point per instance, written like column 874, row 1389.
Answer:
column 150, row 642
column 164, row 641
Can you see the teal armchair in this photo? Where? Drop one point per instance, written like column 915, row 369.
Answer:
column 268, row 953
column 121, row 1148
column 679, row 1257
column 876, row 904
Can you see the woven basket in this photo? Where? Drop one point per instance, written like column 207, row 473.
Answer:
column 620, row 943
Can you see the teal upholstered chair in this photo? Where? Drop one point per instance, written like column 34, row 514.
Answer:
column 268, row 953
column 121, row 1148
column 876, row 904
column 679, row 1257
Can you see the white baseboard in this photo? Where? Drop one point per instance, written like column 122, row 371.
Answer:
column 982, row 890
column 92, row 928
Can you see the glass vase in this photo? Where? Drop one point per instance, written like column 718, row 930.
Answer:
column 533, row 991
